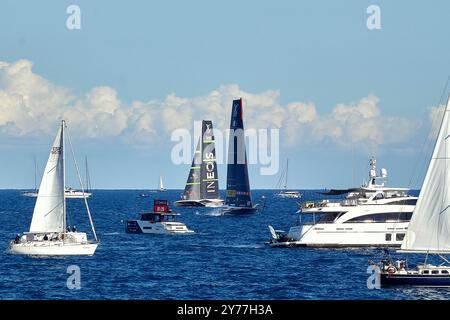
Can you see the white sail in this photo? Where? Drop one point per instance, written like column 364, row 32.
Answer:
column 161, row 185
column 429, row 229
column 49, row 211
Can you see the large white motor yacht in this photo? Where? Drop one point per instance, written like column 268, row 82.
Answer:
column 370, row 216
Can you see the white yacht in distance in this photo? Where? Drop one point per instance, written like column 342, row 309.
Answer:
column 69, row 192
column 284, row 192
column 372, row 215
column 76, row 194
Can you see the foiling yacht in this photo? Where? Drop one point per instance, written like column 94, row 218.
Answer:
column 370, row 216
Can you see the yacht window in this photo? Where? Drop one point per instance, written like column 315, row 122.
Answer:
column 383, row 217
column 407, row 202
column 146, row 217
column 379, row 196
column 426, row 272
column 329, row 217
column 434, row 271
column 388, row 237
column 399, row 236
column 444, row 271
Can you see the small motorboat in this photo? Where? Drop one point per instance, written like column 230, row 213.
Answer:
column 160, row 221
column 143, row 195
column 280, row 238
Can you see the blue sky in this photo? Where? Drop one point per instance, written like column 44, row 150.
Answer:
column 312, row 55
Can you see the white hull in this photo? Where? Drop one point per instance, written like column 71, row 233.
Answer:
column 53, row 248
column 348, row 235
column 31, row 194
column 147, row 227
column 68, row 195
column 289, row 195
column 77, row 195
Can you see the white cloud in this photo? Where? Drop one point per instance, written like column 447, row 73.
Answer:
column 31, row 105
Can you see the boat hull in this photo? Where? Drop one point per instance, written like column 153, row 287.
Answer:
column 334, row 235
column 188, row 204
column 240, row 210
column 289, row 195
column 146, row 227
column 53, row 248
column 416, row 280
column 78, row 195
column 209, row 203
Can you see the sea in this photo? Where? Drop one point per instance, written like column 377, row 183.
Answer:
column 226, row 258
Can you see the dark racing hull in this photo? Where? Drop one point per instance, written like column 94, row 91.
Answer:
column 415, row 280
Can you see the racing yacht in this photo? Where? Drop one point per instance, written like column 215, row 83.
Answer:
column 369, row 216
column 202, row 185
column 239, row 197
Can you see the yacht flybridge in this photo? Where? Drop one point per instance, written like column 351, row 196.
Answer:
column 160, row 221
column 371, row 215
column 49, row 234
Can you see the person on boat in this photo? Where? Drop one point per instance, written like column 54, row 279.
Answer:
column 74, row 229
column 17, row 239
column 68, row 229
column 45, row 237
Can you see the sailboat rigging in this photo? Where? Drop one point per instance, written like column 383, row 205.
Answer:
column 284, row 192
column 429, row 229
column 49, row 234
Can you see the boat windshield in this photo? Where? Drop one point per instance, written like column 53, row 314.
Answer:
column 322, row 217
column 157, row 217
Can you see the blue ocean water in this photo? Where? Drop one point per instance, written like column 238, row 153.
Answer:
column 225, row 259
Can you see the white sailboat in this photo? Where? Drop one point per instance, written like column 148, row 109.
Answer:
column 48, row 235
column 285, row 193
column 70, row 192
column 429, row 229
column 33, row 193
column 161, row 185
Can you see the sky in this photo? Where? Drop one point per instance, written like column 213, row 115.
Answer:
column 136, row 71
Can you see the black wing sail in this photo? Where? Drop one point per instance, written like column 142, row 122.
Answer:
column 238, row 186
column 192, row 189
column 209, row 187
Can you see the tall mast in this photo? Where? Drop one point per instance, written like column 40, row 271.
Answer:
column 35, row 174
column 286, row 178
column 63, row 124
column 88, row 178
